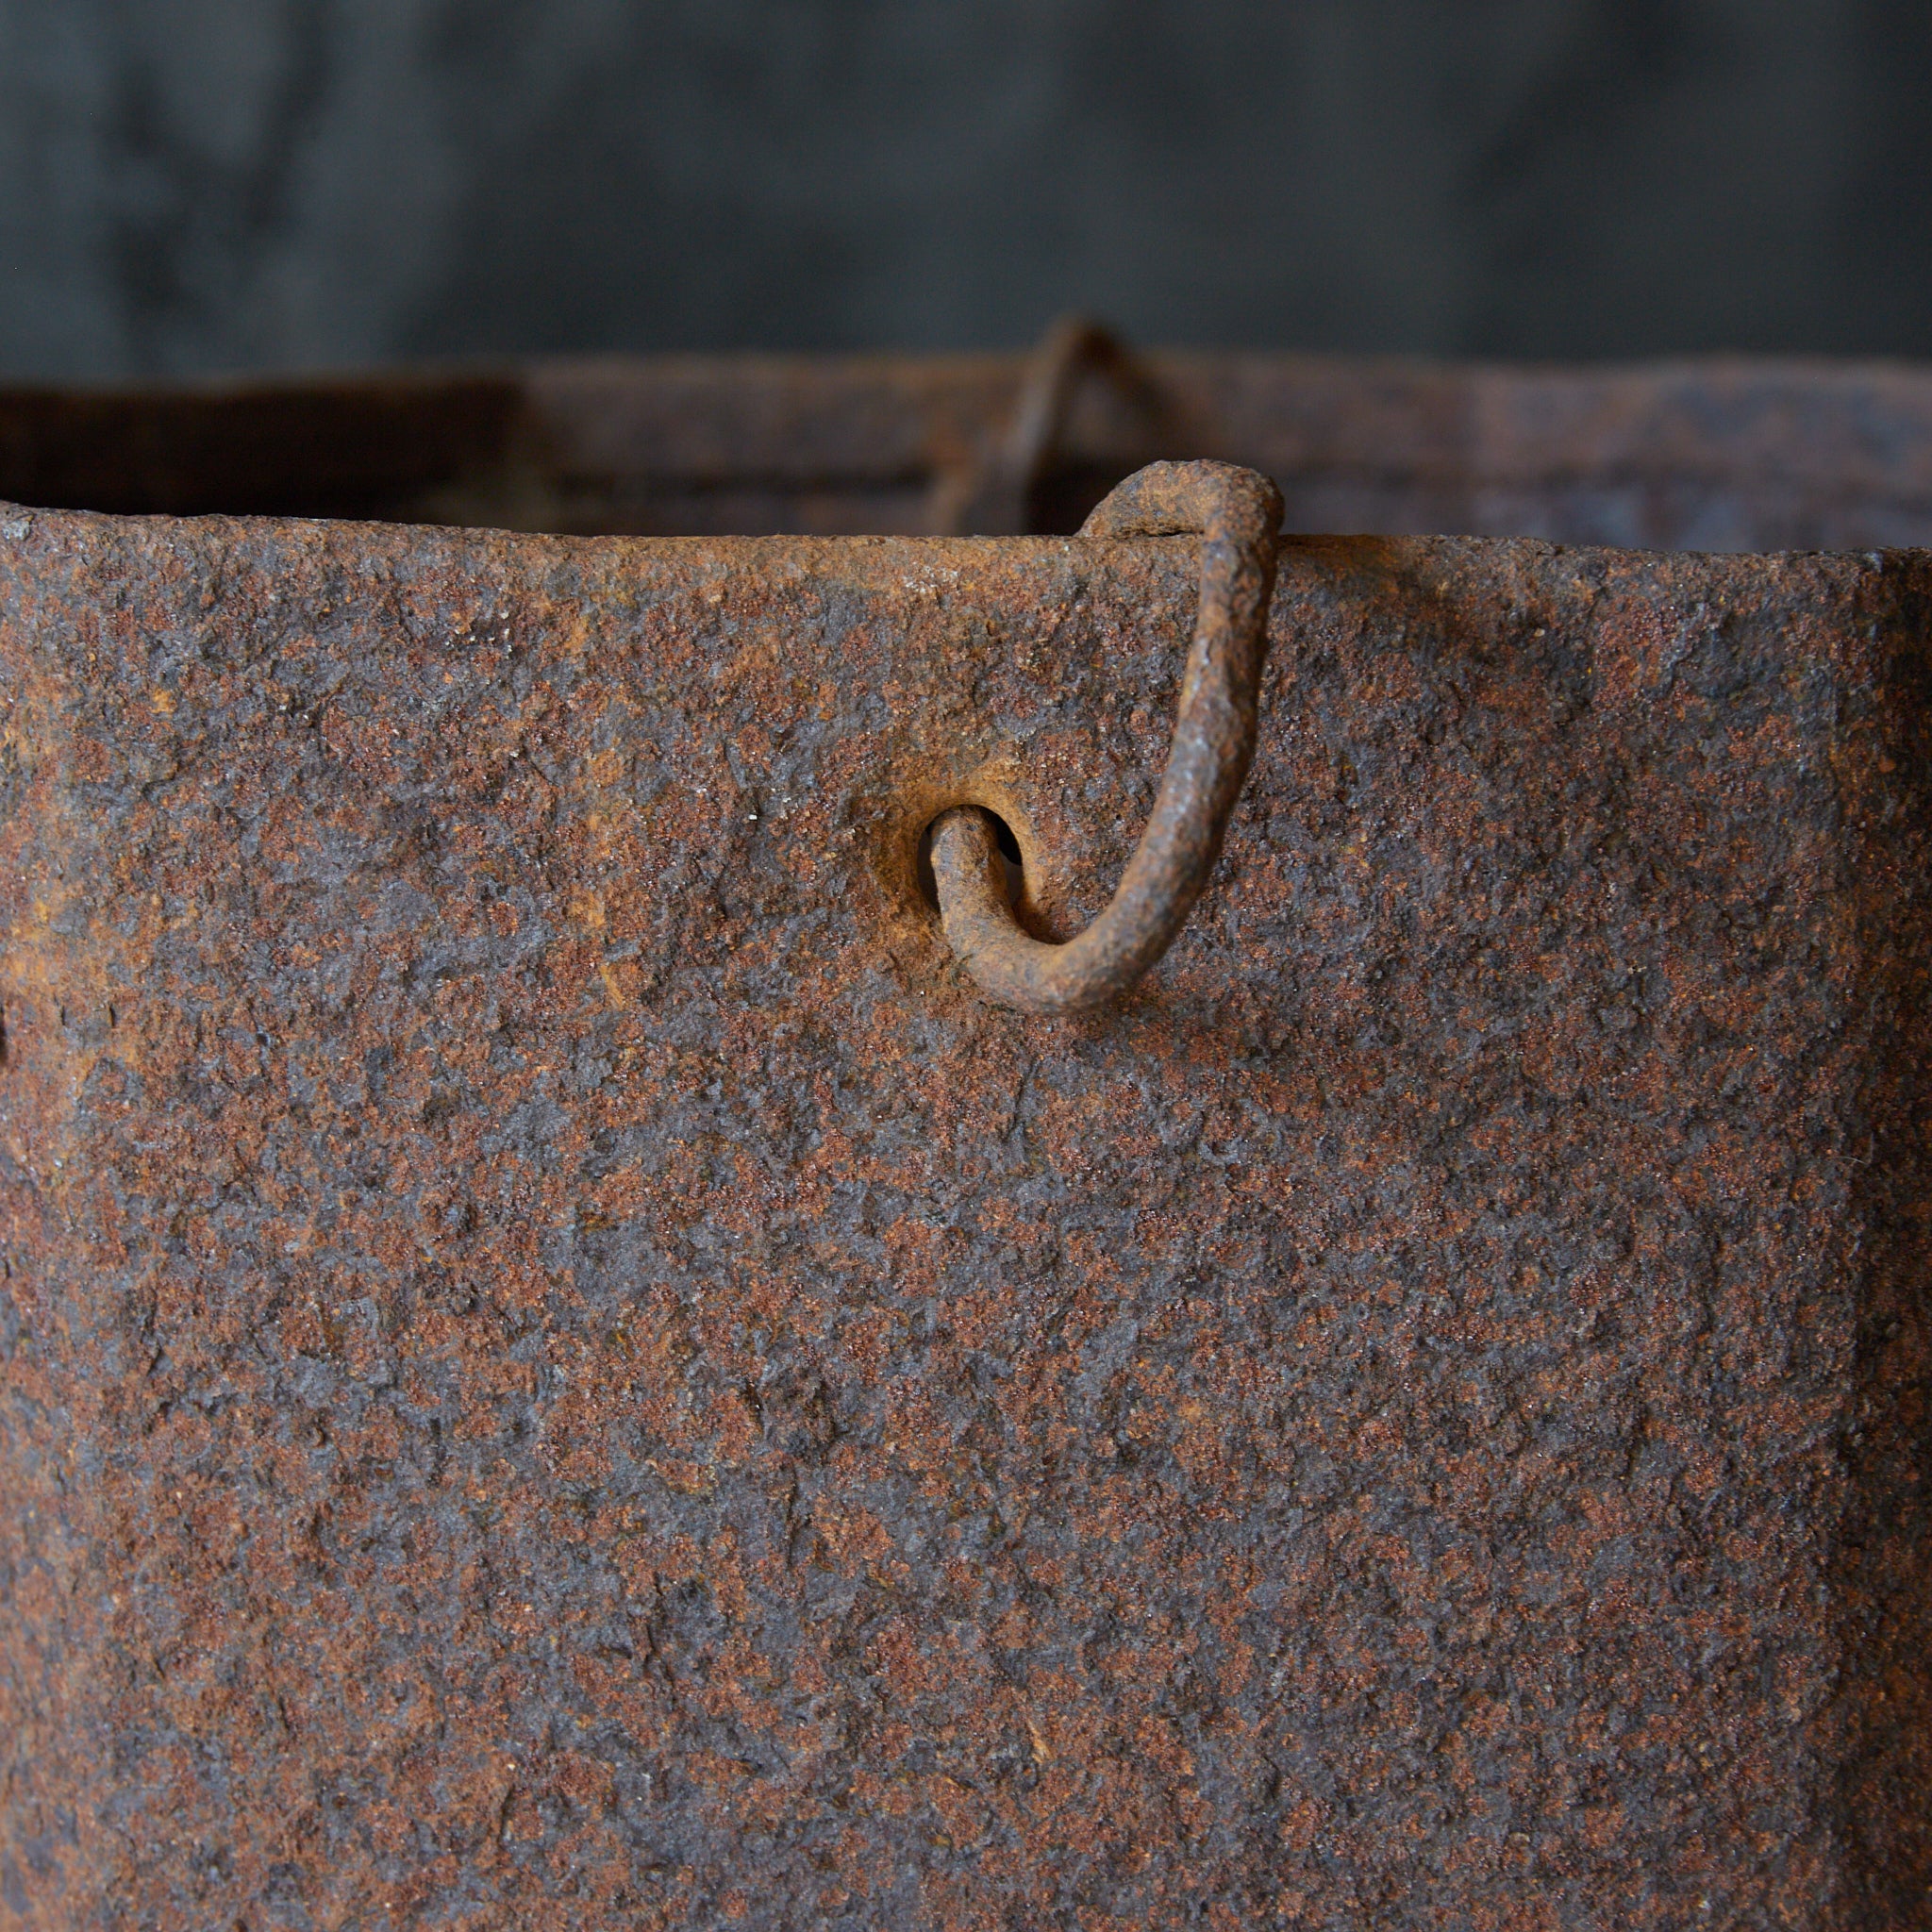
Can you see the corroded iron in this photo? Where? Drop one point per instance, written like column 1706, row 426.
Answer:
column 1238, row 516
column 1005, row 496
column 1721, row 453
column 560, row 1364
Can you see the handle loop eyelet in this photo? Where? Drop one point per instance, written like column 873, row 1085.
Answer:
column 1238, row 514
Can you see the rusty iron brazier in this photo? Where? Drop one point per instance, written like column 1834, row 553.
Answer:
column 571, row 1357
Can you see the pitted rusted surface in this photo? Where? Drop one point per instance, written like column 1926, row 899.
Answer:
column 562, row 1366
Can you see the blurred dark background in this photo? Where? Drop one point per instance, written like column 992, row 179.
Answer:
column 190, row 185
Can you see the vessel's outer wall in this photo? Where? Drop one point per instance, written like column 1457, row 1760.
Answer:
column 561, row 1367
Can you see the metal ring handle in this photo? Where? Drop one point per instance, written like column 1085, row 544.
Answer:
column 999, row 502
column 1238, row 514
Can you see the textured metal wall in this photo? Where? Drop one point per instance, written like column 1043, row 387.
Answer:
column 560, row 1367
column 195, row 183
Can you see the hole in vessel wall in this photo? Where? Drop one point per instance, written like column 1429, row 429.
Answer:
column 1009, row 852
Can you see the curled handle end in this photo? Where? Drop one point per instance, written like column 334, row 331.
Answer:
column 1237, row 512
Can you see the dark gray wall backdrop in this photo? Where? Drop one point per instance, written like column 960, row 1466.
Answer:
column 188, row 185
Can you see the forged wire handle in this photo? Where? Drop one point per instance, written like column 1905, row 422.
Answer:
column 1074, row 352
column 1238, row 513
